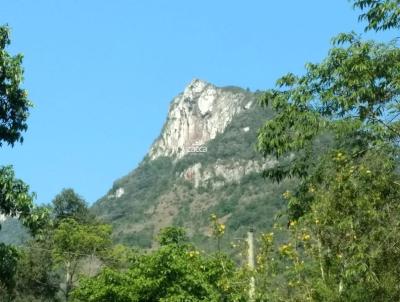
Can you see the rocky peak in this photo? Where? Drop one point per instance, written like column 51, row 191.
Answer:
column 196, row 116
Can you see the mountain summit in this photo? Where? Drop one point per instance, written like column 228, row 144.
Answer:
column 196, row 116
column 203, row 162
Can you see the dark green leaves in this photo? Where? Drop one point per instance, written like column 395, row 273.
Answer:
column 358, row 80
column 15, row 199
column 380, row 14
column 14, row 104
column 175, row 272
column 172, row 235
column 345, row 214
column 68, row 204
column 8, row 267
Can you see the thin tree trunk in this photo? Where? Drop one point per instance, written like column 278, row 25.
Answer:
column 321, row 267
column 68, row 280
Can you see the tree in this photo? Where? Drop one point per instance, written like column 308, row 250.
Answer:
column 381, row 14
column 36, row 279
column 69, row 204
column 8, row 267
column 14, row 104
column 15, row 198
column 71, row 243
column 74, row 242
column 175, row 272
column 344, row 214
column 172, row 235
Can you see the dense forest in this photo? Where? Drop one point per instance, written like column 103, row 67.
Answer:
column 337, row 239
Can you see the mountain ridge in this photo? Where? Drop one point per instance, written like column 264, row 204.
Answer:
column 172, row 186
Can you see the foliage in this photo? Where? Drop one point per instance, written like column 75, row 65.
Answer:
column 15, row 198
column 50, row 262
column 8, row 266
column 119, row 257
column 172, row 235
column 36, row 278
column 342, row 248
column 175, row 272
column 142, row 187
column 344, row 214
column 68, row 204
column 352, row 94
column 381, row 14
column 14, row 104
column 73, row 242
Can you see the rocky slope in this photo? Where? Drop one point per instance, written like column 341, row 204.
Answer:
column 196, row 116
column 203, row 162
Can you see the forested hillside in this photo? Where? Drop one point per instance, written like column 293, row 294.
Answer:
column 184, row 191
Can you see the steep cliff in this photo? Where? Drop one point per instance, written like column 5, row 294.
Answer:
column 196, row 116
column 203, row 162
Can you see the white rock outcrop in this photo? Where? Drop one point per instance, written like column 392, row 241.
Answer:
column 196, row 116
column 118, row 193
column 222, row 173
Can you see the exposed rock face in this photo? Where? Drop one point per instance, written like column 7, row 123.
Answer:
column 196, row 116
column 221, row 173
column 118, row 193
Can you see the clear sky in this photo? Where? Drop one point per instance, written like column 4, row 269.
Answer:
column 102, row 73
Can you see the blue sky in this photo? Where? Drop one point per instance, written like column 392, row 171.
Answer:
column 102, row 73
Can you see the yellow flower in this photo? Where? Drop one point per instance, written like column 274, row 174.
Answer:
column 285, row 249
column 286, row 194
column 193, row 253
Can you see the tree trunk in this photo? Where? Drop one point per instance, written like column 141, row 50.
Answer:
column 68, row 280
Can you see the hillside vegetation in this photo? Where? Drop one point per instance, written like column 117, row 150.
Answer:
column 156, row 195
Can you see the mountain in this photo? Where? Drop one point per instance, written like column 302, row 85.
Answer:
column 12, row 231
column 203, row 162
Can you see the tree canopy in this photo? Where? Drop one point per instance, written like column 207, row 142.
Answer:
column 344, row 216
column 68, row 204
column 14, row 102
column 16, row 200
column 380, row 14
column 175, row 272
